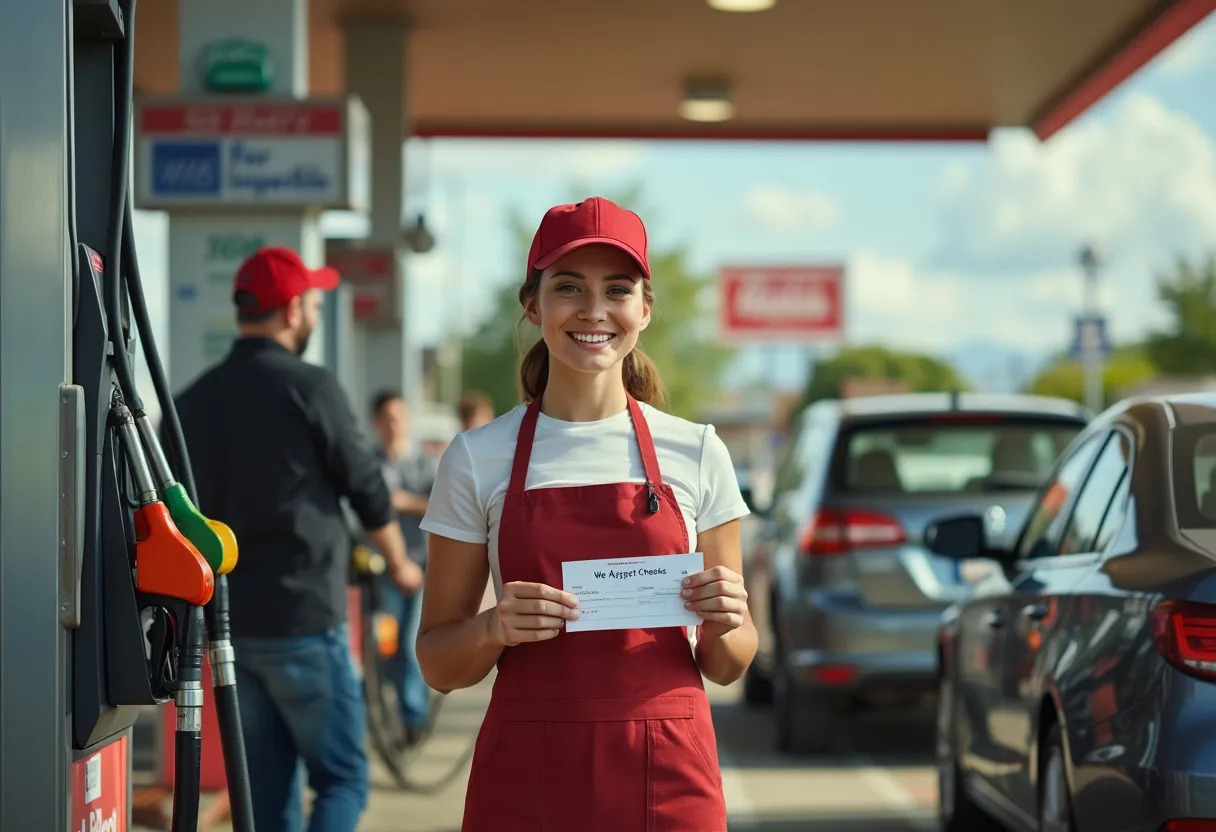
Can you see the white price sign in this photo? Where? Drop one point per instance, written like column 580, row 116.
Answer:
column 255, row 153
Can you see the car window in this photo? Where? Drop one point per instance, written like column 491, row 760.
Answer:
column 1115, row 515
column 1205, row 474
column 1095, row 497
column 1044, row 529
column 790, row 469
column 951, row 454
column 1194, row 470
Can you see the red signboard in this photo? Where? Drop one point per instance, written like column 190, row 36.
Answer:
column 782, row 303
column 362, row 265
column 371, row 274
column 99, row 790
column 260, row 119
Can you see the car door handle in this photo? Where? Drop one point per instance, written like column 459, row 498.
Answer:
column 1034, row 613
column 994, row 619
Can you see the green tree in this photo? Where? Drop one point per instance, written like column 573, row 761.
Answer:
column 489, row 358
column 1065, row 377
column 1189, row 294
column 681, row 338
column 921, row 373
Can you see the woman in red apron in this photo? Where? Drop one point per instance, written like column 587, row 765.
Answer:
column 605, row 731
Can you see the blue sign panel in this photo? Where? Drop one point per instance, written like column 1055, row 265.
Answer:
column 186, row 168
column 1090, row 333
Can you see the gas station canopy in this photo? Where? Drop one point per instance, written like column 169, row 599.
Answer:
column 803, row 69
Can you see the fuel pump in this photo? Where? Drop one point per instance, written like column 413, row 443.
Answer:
column 150, row 563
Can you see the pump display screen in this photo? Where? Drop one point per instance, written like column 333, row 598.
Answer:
column 99, row 789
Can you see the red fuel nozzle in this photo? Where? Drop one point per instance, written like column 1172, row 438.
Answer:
column 166, row 563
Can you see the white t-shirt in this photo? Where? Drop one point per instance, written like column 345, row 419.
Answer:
column 471, row 486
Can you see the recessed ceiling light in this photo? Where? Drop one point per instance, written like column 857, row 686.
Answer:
column 707, row 100
column 741, row 5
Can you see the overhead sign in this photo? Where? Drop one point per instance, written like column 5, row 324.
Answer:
column 208, row 153
column 99, row 789
column 782, row 303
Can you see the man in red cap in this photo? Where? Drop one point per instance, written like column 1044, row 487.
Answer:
column 276, row 449
column 278, row 297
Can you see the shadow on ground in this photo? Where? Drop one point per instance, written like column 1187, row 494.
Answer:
column 891, row 739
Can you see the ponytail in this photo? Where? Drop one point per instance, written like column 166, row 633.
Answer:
column 534, row 371
column 642, row 379
column 638, row 371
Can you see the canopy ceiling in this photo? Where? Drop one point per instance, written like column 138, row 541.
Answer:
column 811, row 69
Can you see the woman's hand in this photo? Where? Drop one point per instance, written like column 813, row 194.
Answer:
column 718, row 597
column 531, row 612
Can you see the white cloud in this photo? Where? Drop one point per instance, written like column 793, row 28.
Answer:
column 1192, row 53
column 887, row 300
column 781, row 210
column 892, row 301
column 1144, row 182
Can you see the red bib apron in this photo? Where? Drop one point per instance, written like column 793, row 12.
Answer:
column 604, row 731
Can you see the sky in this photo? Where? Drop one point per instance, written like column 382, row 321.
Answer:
column 965, row 251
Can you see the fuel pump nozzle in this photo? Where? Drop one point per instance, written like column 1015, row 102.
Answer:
column 174, row 581
column 167, row 564
column 213, row 539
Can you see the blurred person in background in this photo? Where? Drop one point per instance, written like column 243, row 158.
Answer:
column 474, row 410
column 409, row 473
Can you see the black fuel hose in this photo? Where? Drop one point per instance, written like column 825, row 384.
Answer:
column 228, row 711
column 187, row 756
column 219, row 634
column 188, row 741
column 124, row 80
column 179, row 458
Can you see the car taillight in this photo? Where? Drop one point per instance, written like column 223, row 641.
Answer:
column 1185, row 635
column 840, row 531
column 1189, row 825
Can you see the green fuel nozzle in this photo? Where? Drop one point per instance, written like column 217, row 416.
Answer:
column 214, row 540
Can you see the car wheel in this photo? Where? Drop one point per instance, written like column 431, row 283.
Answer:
column 1055, row 800
column 757, row 687
column 955, row 810
column 803, row 721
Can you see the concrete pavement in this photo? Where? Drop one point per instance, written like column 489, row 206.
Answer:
column 880, row 780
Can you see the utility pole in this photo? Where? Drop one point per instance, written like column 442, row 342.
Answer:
column 1090, row 333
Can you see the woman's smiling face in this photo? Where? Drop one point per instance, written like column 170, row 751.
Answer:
column 591, row 305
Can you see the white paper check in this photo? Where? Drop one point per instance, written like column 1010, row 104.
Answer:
column 623, row 593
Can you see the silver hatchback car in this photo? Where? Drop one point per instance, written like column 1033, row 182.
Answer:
column 845, row 595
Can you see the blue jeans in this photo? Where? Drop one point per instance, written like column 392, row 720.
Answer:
column 403, row 668
column 301, row 703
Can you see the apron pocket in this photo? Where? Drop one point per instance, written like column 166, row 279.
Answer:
column 684, row 789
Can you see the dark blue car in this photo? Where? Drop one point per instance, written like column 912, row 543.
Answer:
column 1078, row 680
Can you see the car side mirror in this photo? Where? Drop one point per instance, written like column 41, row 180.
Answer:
column 961, row 537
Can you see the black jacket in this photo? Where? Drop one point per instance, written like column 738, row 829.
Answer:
column 274, row 446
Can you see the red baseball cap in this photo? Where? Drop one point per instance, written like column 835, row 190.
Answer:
column 273, row 275
column 594, row 220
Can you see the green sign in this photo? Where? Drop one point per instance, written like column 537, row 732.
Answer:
column 237, row 65
column 229, row 247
